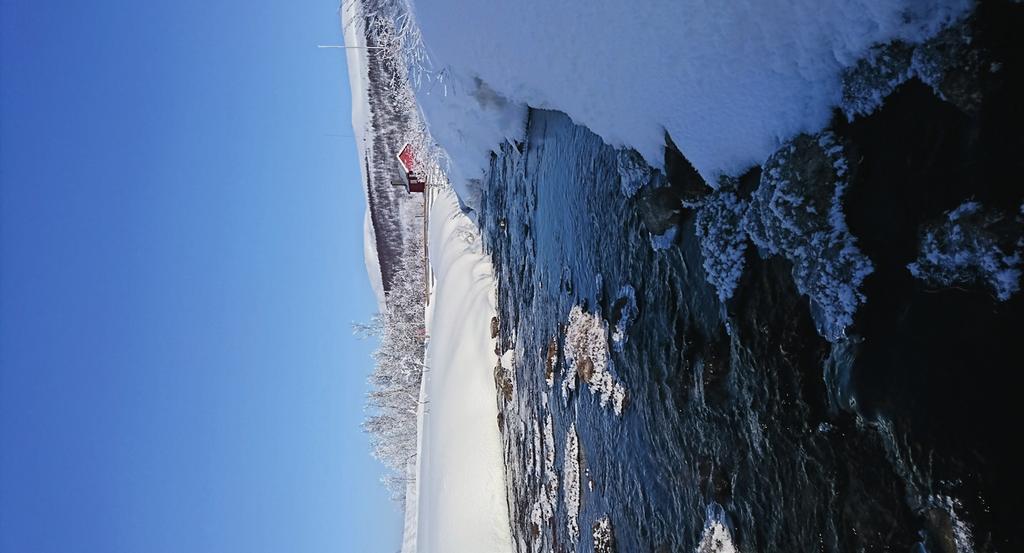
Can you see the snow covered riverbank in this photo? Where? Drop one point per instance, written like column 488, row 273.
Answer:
column 461, row 501
column 728, row 81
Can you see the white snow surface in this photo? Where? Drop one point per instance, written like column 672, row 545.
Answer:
column 461, row 500
column 729, row 81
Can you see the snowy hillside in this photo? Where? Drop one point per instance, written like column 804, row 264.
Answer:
column 380, row 126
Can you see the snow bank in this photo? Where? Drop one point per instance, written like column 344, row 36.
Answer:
column 469, row 120
column 462, row 499
column 729, row 81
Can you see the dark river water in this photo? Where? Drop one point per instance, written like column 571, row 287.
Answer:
column 742, row 428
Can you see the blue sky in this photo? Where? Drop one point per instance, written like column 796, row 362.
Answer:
column 180, row 262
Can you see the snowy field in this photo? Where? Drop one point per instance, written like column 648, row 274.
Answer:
column 461, row 498
column 729, row 81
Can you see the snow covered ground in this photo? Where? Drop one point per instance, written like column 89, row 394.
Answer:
column 461, row 501
column 729, row 81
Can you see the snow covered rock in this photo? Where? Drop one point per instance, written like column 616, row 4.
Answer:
column 660, row 209
column 717, row 537
column 604, row 536
column 949, row 65
column 586, row 351
column 796, row 212
column 571, row 486
column 634, row 173
column 624, row 312
column 946, row 62
column 722, row 240
column 874, row 77
column 971, row 245
column 664, row 241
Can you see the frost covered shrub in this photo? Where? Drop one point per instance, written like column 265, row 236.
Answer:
column 971, row 245
column 796, row 212
column 722, row 240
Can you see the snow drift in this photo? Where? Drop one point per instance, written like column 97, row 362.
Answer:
column 729, row 81
column 461, row 498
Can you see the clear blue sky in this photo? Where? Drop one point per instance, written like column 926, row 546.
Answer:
column 180, row 262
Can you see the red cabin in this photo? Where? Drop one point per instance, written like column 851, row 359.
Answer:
column 412, row 177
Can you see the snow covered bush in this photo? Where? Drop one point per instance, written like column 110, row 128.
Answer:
column 972, row 245
column 722, row 240
column 796, row 212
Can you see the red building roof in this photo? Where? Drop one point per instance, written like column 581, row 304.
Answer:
column 407, row 158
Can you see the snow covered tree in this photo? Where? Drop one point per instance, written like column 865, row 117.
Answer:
column 394, row 400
